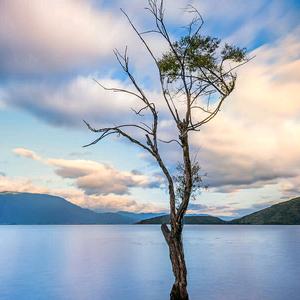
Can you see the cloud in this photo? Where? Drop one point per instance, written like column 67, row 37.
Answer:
column 8, row 184
column 38, row 37
column 63, row 36
column 22, row 152
column 100, row 179
column 257, row 21
column 95, row 178
column 254, row 140
column 108, row 202
column 252, row 143
column 240, row 212
column 242, row 22
column 290, row 187
column 119, row 203
column 213, row 210
column 197, row 206
column 81, row 98
column 232, row 209
column 60, row 36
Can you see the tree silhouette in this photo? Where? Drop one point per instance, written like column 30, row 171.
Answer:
column 198, row 71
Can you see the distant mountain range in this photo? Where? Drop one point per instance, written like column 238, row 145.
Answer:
column 29, row 208
column 187, row 220
column 284, row 213
column 137, row 217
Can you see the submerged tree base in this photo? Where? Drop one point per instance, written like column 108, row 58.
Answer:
column 174, row 241
column 179, row 293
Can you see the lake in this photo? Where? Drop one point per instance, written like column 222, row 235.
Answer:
column 131, row 262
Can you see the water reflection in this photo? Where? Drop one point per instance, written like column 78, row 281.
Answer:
column 131, row 262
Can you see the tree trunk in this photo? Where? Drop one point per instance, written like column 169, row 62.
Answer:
column 174, row 241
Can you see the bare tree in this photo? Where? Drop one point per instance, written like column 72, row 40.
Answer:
column 199, row 70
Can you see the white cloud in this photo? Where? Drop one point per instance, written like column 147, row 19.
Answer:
column 100, row 179
column 26, row 153
column 44, row 36
column 253, row 141
column 18, row 185
column 108, row 202
column 80, row 98
column 118, row 203
column 255, row 138
column 290, row 187
column 94, row 178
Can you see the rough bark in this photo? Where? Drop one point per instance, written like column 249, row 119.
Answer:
column 176, row 252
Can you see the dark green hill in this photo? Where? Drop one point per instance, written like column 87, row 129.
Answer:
column 187, row 220
column 285, row 213
column 28, row 208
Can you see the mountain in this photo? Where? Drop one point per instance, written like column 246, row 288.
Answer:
column 187, row 220
column 28, row 208
column 136, row 217
column 284, row 213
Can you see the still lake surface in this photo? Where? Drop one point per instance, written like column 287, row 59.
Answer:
column 132, row 263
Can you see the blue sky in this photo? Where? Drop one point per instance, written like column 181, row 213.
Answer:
column 50, row 51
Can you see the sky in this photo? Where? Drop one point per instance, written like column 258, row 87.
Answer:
column 50, row 54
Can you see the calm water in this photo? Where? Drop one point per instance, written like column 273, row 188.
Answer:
column 131, row 262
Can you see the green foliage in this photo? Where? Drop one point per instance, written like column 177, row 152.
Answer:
column 233, row 53
column 197, row 53
column 179, row 181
